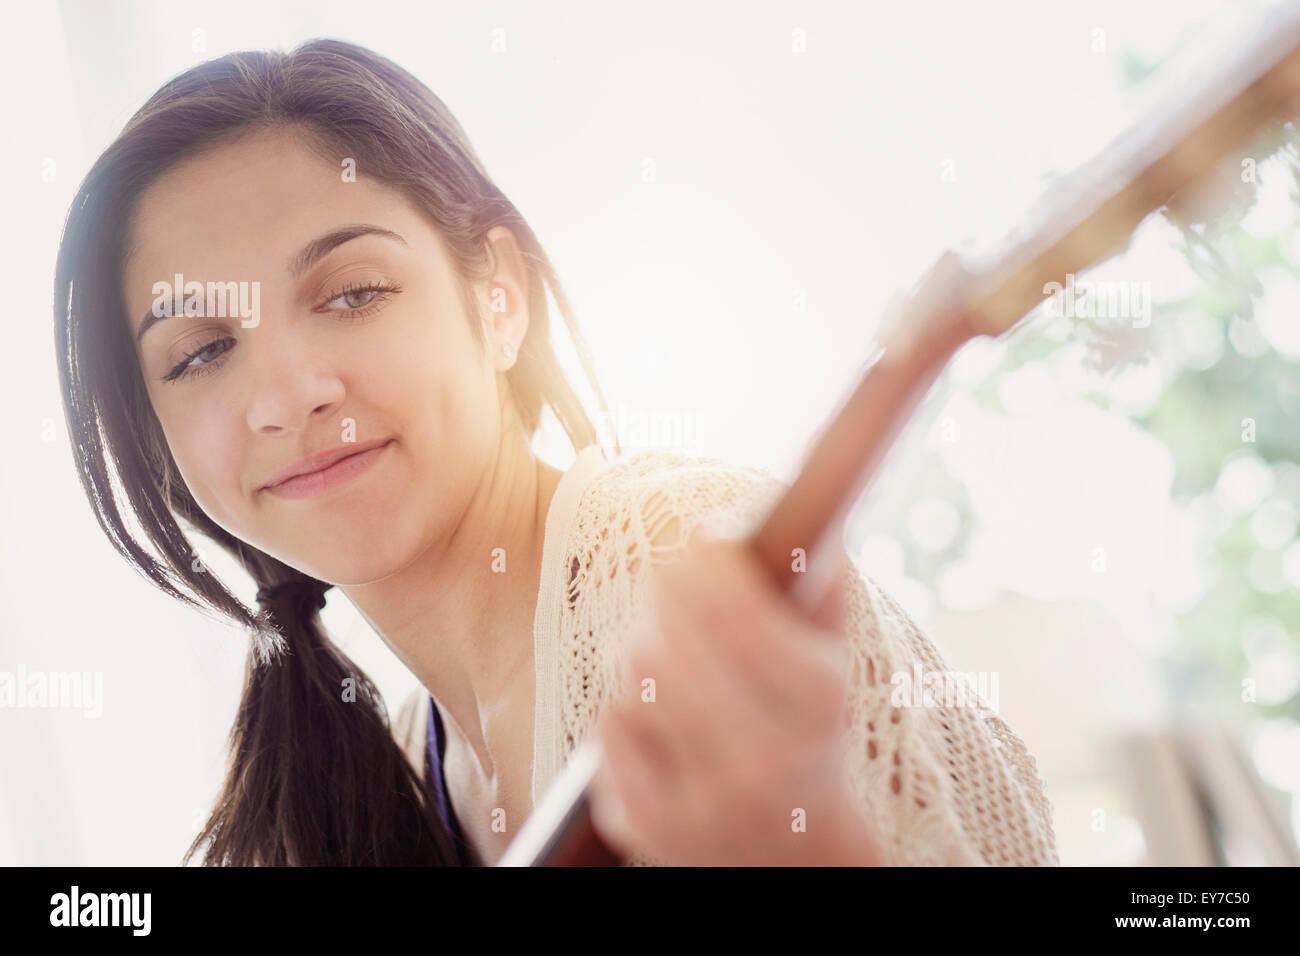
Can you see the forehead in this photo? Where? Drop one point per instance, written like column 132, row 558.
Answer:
column 241, row 209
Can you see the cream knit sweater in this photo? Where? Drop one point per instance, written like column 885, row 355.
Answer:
column 947, row 785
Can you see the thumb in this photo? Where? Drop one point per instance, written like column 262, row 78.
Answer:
column 608, row 813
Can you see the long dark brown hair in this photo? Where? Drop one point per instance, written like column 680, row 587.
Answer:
column 310, row 782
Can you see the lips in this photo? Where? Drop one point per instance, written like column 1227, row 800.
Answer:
column 322, row 460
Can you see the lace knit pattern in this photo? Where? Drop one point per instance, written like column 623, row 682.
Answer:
column 947, row 785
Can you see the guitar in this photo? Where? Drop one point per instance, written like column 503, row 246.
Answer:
column 1173, row 158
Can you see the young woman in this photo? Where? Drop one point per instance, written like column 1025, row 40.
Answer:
column 295, row 315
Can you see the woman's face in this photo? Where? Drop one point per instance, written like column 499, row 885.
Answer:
column 359, row 337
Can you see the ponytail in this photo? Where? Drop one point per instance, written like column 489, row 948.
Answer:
column 315, row 776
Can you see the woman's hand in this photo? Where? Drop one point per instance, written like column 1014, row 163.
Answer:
column 723, row 746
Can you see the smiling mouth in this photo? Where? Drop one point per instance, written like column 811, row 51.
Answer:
column 318, row 482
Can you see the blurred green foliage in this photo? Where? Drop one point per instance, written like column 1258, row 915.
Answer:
column 1242, row 403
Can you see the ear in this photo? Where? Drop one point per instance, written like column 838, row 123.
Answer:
column 506, row 298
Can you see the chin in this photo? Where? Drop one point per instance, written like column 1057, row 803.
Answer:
column 365, row 547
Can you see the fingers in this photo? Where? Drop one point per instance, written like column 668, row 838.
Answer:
column 829, row 614
column 771, row 647
column 703, row 708
column 748, row 691
column 624, row 789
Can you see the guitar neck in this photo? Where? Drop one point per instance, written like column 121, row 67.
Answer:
column 843, row 459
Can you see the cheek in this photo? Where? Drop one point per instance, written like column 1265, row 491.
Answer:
column 205, row 444
column 439, row 388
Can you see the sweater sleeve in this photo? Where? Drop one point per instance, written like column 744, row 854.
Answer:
column 948, row 783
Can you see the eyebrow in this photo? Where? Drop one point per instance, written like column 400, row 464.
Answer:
column 311, row 253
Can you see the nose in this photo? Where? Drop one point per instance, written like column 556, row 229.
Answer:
column 291, row 385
